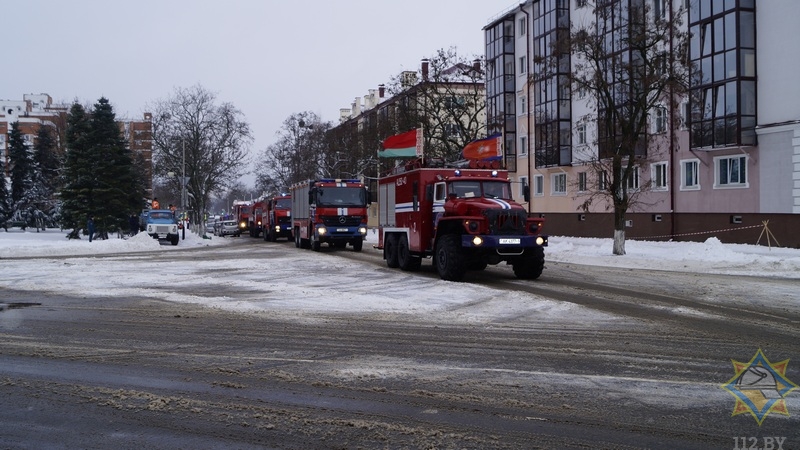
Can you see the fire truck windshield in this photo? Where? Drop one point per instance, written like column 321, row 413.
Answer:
column 283, row 203
column 341, row 196
column 475, row 188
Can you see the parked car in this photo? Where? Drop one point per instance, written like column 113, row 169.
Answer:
column 229, row 228
column 210, row 227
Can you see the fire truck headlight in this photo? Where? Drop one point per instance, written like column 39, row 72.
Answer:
column 243, row 225
column 541, row 240
column 277, row 228
column 259, row 223
column 477, row 240
column 362, row 230
column 321, row 230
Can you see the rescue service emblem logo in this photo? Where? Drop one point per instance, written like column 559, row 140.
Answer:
column 759, row 387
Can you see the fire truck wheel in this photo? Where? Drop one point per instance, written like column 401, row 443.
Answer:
column 390, row 251
column 405, row 259
column 530, row 265
column 449, row 260
column 315, row 244
column 297, row 238
column 357, row 245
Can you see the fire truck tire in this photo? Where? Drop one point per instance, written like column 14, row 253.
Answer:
column 449, row 261
column 390, row 251
column 316, row 245
column 297, row 238
column 357, row 245
column 530, row 265
column 405, row 259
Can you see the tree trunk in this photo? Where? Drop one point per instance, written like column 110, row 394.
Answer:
column 619, row 231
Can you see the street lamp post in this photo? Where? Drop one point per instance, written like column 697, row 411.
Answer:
column 183, row 185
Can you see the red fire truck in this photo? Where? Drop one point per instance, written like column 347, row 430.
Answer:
column 254, row 221
column 277, row 217
column 329, row 210
column 464, row 219
column 242, row 209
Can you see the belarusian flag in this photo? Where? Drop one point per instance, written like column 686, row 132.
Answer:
column 403, row 145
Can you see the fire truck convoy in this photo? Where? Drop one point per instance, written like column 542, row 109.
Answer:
column 276, row 217
column 464, row 219
column 329, row 210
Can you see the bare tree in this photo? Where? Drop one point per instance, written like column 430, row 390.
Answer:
column 447, row 98
column 209, row 141
column 631, row 60
column 298, row 154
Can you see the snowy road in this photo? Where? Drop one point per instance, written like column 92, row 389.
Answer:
column 258, row 345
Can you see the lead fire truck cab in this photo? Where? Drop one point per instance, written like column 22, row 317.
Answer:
column 464, row 219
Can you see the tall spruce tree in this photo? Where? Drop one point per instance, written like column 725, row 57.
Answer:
column 100, row 178
column 117, row 191
column 49, row 164
column 24, row 191
column 77, row 194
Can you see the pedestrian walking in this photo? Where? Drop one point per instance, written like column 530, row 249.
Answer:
column 90, row 227
column 133, row 223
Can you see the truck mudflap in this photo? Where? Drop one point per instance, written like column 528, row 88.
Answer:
column 505, row 245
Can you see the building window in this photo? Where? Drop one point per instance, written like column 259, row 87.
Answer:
column 580, row 132
column 523, row 105
column 559, row 183
column 581, row 181
column 660, row 120
column 690, row 179
column 538, row 185
column 523, row 145
column 659, row 176
column 660, row 9
column 602, row 181
column 523, row 26
column 451, row 129
column 731, row 171
column 633, row 179
column 580, row 3
column 523, row 185
column 523, row 65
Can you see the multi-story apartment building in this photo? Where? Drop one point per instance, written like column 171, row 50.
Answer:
column 448, row 104
column 33, row 111
column 721, row 159
column 37, row 110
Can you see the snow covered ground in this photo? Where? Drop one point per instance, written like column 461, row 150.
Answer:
column 262, row 285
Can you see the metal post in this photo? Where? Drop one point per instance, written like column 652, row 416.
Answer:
column 183, row 186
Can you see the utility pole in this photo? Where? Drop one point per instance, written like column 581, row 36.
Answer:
column 183, row 186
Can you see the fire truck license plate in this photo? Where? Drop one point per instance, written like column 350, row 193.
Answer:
column 342, row 230
column 509, row 241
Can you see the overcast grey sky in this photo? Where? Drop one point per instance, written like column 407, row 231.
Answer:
column 269, row 58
